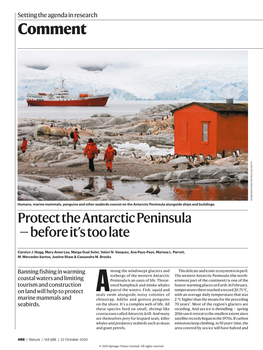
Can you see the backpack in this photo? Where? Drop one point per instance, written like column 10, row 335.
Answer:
column 72, row 134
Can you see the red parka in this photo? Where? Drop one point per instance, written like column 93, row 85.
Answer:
column 109, row 153
column 24, row 145
column 91, row 150
column 76, row 136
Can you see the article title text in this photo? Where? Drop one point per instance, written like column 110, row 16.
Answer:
column 86, row 218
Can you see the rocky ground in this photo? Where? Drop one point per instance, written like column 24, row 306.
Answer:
column 50, row 154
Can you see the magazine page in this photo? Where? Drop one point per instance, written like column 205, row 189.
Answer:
column 137, row 157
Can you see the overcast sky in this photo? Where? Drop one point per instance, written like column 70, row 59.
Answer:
column 141, row 57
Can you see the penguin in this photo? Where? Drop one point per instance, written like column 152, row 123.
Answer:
column 206, row 161
column 161, row 159
column 235, row 154
column 157, row 190
column 149, row 190
column 168, row 158
column 201, row 159
column 196, row 161
column 90, row 185
column 209, row 157
column 238, row 152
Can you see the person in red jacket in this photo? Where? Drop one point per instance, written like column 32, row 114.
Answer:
column 108, row 157
column 76, row 137
column 91, row 151
column 24, row 145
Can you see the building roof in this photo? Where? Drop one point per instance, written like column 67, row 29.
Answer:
column 219, row 107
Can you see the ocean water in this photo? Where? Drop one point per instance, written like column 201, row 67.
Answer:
column 115, row 108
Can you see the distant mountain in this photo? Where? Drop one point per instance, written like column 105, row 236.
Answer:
column 92, row 68
column 38, row 67
column 134, row 82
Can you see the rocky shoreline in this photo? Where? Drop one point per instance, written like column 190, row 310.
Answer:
column 144, row 144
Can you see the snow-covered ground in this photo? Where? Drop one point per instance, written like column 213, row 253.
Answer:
column 206, row 82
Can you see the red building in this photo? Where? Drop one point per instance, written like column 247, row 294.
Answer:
column 211, row 128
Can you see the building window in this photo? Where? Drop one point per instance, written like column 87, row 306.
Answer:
column 205, row 132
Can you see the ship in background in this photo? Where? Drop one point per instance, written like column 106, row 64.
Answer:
column 61, row 97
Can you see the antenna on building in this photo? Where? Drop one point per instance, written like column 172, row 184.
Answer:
column 62, row 81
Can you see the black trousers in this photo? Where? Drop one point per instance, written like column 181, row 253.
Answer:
column 91, row 164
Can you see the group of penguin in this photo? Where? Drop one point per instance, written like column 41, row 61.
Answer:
column 194, row 160
column 161, row 159
column 157, row 128
column 151, row 190
column 236, row 153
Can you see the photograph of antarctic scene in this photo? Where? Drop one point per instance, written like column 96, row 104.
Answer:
column 132, row 125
